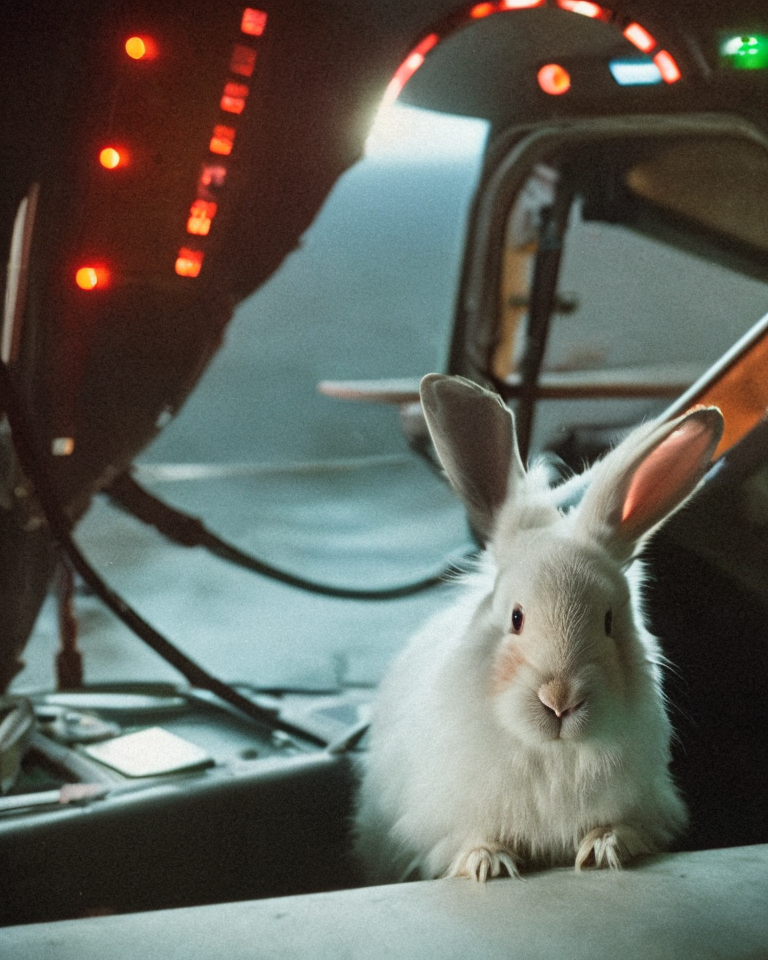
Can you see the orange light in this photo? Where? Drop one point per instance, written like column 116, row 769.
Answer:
column 669, row 70
column 111, row 158
column 189, row 262
column 640, row 37
column 233, row 98
column 482, row 10
column 141, row 48
column 584, row 8
column 254, row 22
column 223, row 140
column 520, row 4
column 92, row 277
column 554, row 79
column 201, row 214
column 242, row 61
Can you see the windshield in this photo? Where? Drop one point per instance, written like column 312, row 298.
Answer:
column 320, row 487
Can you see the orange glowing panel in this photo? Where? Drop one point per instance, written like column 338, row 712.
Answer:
column 189, row 262
column 481, row 10
column 554, row 79
column 201, row 214
column 242, row 61
column 669, row 70
column 111, row 158
column 254, row 22
column 92, row 277
column 141, row 48
column 223, row 140
column 640, row 37
column 234, row 97
column 584, row 8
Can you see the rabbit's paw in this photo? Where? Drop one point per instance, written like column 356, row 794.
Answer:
column 611, row 847
column 479, row 863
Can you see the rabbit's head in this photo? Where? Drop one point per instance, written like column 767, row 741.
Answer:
column 565, row 655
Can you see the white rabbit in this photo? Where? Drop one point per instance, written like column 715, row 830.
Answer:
column 526, row 725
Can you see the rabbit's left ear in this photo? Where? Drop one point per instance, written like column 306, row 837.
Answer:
column 646, row 478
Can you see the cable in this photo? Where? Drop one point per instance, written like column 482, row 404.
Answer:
column 189, row 531
column 60, row 527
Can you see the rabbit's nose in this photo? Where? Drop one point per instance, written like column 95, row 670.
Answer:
column 558, row 697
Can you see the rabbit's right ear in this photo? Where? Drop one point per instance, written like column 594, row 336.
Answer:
column 474, row 435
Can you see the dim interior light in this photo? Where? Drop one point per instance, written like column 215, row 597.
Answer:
column 92, row 277
column 254, row 22
column 63, row 446
column 201, row 214
column 669, row 70
column 111, row 158
column 223, row 140
column 242, row 61
column 189, row 262
column 640, row 37
column 234, row 97
column 141, row 48
column 554, row 79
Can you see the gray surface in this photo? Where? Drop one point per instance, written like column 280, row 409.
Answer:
column 704, row 905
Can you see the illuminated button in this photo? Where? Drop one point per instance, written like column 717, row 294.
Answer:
column 635, row 73
column 584, row 8
column 745, row 51
column 254, row 22
column 554, row 79
column 640, row 37
column 223, row 140
column 111, row 158
column 669, row 70
column 242, row 61
column 189, row 262
column 63, row 446
column 201, row 214
column 233, row 98
column 92, row 277
column 141, row 48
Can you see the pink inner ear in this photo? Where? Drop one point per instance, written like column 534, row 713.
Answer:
column 667, row 474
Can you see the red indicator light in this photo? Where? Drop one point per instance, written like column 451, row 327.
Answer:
column 189, row 262
column 520, row 4
column 482, row 10
column 223, row 140
column 200, row 215
column 640, row 37
column 111, row 158
column 669, row 70
column 243, row 60
column 141, row 48
column 92, row 278
column 233, row 98
column 554, row 79
column 408, row 67
column 584, row 8
column 254, row 22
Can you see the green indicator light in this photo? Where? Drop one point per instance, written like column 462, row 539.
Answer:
column 745, row 51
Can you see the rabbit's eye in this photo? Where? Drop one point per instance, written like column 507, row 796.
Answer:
column 608, row 621
column 517, row 619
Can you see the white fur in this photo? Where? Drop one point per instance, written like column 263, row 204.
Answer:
column 467, row 772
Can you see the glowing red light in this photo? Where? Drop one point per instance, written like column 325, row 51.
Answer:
column 482, row 10
column 223, row 140
column 141, row 48
column 92, row 277
column 554, row 79
column 520, row 4
column 243, row 60
column 189, row 262
column 233, row 98
column 409, row 66
column 254, row 22
column 201, row 214
column 640, row 37
column 111, row 158
column 669, row 70
column 584, row 8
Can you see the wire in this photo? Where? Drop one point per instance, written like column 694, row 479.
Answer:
column 189, row 531
column 60, row 527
